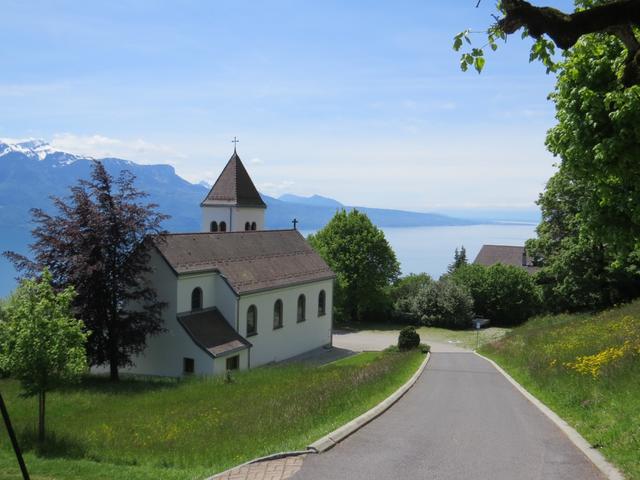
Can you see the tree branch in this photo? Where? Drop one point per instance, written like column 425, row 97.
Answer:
column 615, row 18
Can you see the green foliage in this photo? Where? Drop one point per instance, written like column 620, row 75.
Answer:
column 443, row 304
column 424, row 348
column 160, row 428
column 408, row 339
column 505, row 294
column 459, row 259
column 364, row 263
column 589, row 238
column 41, row 344
column 403, row 293
column 602, row 401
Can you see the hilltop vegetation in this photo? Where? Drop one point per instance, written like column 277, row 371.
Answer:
column 586, row 368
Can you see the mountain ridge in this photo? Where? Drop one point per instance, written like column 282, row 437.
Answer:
column 33, row 171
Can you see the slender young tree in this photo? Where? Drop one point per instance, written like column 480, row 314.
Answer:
column 459, row 259
column 99, row 243
column 41, row 344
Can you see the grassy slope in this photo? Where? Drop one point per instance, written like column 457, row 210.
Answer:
column 191, row 429
column 604, row 408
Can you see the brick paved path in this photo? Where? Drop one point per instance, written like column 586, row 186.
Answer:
column 280, row 469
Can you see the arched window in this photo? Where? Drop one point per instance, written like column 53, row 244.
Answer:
column 223, row 226
column 277, row 314
column 213, row 227
column 252, row 321
column 196, row 299
column 302, row 307
column 253, row 226
column 247, row 226
column 322, row 303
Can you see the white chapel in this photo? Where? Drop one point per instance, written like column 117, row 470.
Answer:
column 238, row 296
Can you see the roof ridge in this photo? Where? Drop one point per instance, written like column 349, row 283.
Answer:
column 252, row 232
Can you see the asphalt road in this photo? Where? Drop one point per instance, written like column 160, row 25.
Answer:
column 461, row 420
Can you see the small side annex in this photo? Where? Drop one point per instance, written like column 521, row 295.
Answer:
column 236, row 300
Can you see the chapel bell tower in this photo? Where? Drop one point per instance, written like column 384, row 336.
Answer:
column 233, row 204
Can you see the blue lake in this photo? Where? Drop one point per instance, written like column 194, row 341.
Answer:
column 430, row 249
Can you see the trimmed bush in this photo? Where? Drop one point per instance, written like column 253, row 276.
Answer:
column 424, row 348
column 408, row 339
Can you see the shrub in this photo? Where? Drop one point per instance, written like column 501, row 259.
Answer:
column 403, row 293
column 444, row 304
column 408, row 339
column 424, row 348
column 505, row 294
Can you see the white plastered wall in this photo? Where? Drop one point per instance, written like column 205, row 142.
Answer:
column 234, row 217
column 293, row 338
column 165, row 352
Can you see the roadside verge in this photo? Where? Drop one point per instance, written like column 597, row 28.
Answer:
column 330, row 440
column 611, row 472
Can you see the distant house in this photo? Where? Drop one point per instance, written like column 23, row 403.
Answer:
column 507, row 255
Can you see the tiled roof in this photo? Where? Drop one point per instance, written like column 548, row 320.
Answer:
column 209, row 329
column 505, row 254
column 250, row 261
column 234, row 187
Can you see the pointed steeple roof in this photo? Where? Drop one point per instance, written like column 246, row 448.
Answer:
column 234, row 187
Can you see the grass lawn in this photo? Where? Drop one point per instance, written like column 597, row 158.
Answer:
column 587, row 369
column 191, row 429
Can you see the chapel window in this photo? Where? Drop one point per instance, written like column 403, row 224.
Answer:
column 252, row 321
column 322, row 303
column 277, row 314
column 213, row 227
column 223, row 226
column 196, row 299
column 302, row 306
column 188, row 365
column 233, row 363
column 253, row 226
column 247, row 226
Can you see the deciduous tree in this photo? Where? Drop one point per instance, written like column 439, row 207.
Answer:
column 41, row 343
column 99, row 243
column 362, row 259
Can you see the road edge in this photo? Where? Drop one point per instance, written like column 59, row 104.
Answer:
column 601, row 463
column 331, row 439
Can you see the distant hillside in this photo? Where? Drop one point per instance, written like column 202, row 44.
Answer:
column 31, row 172
column 314, row 200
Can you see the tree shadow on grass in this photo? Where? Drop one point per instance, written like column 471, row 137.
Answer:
column 127, row 385
column 54, row 446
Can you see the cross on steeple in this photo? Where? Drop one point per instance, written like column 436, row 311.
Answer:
column 234, row 141
column 295, row 223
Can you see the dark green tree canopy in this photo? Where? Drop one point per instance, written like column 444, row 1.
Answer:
column 362, row 259
column 99, row 242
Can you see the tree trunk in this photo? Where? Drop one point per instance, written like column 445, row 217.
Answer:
column 41, row 403
column 113, row 368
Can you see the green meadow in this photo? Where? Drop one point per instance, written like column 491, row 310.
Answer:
column 142, row 429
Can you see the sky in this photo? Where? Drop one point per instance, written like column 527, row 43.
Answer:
column 362, row 101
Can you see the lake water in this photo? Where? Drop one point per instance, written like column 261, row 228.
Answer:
column 430, row 249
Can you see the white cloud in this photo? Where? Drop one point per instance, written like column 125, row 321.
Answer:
column 275, row 188
column 99, row 146
column 256, row 161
